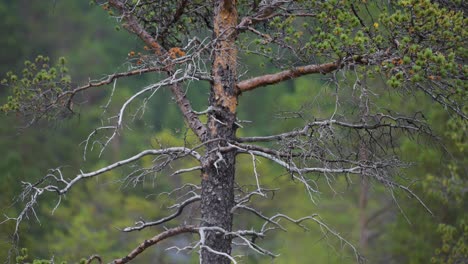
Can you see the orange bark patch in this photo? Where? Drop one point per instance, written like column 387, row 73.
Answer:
column 224, row 64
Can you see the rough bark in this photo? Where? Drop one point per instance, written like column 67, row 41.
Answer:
column 217, row 197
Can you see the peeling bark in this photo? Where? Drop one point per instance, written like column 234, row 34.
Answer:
column 224, row 72
column 218, row 170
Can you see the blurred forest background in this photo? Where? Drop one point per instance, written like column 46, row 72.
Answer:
column 88, row 220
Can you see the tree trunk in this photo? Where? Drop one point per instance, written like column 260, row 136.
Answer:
column 219, row 167
column 363, row 157
column 363, row 218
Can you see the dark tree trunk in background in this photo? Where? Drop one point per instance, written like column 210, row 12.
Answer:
column 363, row 218
column 363, row 156
column 219, row 167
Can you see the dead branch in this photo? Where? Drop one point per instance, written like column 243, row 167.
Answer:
column 259, row 214
column 444, row 101
column 94, row 257
column 181, row 171
column 177, row 151
column 109, row 79
column 236, row 234
column 32, row 192
column 358, row 256
column 295, row 169
column 180, row 207
column 154, row 240
column 381, row 121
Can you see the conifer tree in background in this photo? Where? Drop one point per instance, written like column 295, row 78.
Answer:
column 414, row 47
